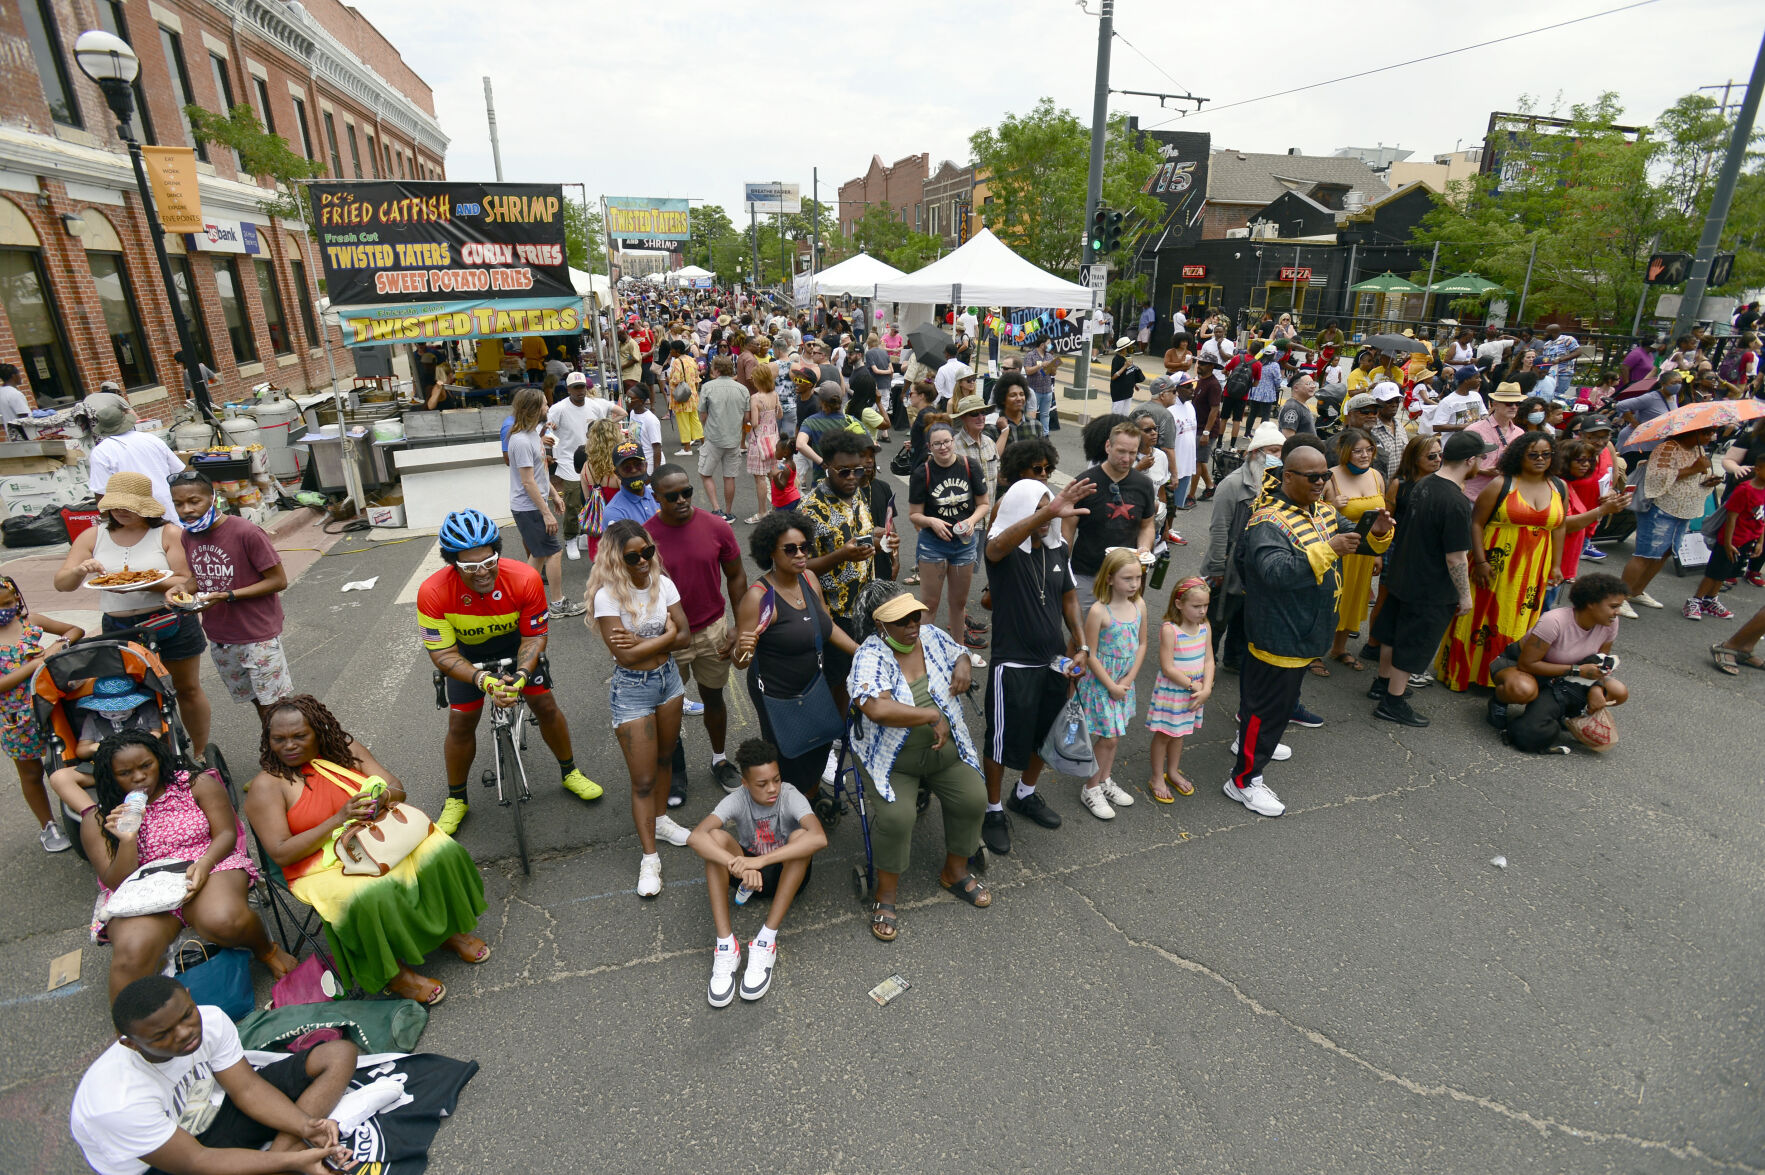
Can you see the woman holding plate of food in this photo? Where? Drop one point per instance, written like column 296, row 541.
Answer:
column 133, row 558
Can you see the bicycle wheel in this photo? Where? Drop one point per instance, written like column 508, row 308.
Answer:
column 514, row 790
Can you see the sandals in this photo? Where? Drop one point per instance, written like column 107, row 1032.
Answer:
column 478, row 956
column 1348, row 659
column 884, row 924
column 911, row 580
column 437, row 992
column 969, row 889
column 1152, row 786
column 1727, row 659
column 1181, row 783
column 1319, row 669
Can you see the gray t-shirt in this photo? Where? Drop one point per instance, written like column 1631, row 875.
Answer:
column 760, row 830
column 723, row 405
column 526, row 451
column 1297, row 417
column 874, row 358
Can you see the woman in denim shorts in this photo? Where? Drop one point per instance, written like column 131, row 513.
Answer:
column 637, row 611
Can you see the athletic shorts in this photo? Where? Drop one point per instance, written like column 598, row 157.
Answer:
column 253, row 672
column 469, row 699
column 1232, row 408
column 1022, row 702
column 1413, row 631
column 701, row 659
column 234, row 1129
column 539, row 544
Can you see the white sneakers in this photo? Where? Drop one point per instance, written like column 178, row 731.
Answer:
column 649, row 875
column 573, row 548
column 833, row 762
column 758, row 977
column 1258, row 797
column 1283, row 752
column 53, row 839
column 1646, row 600
column 724, row 960
column 1116, row 795
column 671, row 832
column 1626, row 611
column 1096, row 803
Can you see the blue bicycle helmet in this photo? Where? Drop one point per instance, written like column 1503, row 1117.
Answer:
column 464, row 529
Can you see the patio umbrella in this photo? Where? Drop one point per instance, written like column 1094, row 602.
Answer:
column 1463, row 284
column 1694, row 418
column 1394, row 343
column 1386, row 283
column 926, row 339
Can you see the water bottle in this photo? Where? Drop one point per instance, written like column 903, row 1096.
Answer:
column 134, row 804
column 742, row 894
column 1072, row 738
column 1159, row 568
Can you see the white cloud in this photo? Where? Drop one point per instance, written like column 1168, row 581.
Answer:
column 674, row 99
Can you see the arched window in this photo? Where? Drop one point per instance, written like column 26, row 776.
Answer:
column 118, row 298
column 30, row 308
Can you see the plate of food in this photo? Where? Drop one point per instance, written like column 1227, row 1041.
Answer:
column 127, row 581
column 185, row 602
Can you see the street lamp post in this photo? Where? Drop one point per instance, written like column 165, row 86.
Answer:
column 109, row 61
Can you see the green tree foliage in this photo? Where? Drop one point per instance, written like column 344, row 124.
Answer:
column 1594, row 200
column 260, row 153
column 883, row 233
column 584, row 246
column 1036, row 167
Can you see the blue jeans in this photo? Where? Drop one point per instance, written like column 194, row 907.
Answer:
column 1045, row 411
column 1180, row 492
column 638, row 693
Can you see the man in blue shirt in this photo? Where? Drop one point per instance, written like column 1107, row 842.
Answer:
column 635, row 500
column 1277, row 364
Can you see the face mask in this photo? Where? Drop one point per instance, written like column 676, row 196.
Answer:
column 1535, row 418
column 202, row 524
column 1271, row 462
column 897, row 645
column 1357, row 470
column 8, row 615
column 636, row 484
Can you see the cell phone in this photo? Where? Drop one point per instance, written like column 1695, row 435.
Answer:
column 888, row 989
column 865, row 540
column 1365, row 526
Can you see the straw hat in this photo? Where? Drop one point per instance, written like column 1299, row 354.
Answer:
column 132, row 492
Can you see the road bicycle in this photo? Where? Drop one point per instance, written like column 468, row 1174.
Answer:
column 508, row 732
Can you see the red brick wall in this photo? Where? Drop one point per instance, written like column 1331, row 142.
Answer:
column 1217, row 218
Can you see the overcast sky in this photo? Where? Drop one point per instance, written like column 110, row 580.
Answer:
column 669, row 98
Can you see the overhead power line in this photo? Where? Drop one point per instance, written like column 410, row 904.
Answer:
column 1413, row 61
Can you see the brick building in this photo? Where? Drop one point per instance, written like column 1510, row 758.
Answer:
column 901, row 186
column 1240, row 183
column 81, row 296
column 948, row 192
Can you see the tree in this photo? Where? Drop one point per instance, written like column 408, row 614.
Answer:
column 710, row 224
column 883, row 235
column 1036, row 168
column 262, row 154
column 584, row 246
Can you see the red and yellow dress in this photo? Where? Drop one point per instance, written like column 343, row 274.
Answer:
column 1517, row 543
column 374, row 923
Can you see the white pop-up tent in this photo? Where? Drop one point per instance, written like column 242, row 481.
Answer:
column 855, row 277
column 687, row 274
column 984, row 272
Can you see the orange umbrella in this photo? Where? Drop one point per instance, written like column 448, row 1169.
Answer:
column 1695, row 418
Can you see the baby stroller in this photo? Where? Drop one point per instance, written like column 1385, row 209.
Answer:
column 66, row 677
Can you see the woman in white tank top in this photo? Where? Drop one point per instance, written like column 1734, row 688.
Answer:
column 131, row 532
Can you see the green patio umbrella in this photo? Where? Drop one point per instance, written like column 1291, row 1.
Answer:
column 1386, row 283
column 1464, row 284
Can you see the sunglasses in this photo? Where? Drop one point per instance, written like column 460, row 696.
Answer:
column 677, row 495
column 1316, row 479
column 795, row 549
column 1039, row 470
column 186, row 477
column 633, row 558
column 845, row 471
column 483, row 565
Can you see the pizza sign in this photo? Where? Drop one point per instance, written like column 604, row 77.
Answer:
column 1295, row 273
column 1197, row 271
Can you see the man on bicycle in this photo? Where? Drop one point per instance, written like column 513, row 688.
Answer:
column 480, row 609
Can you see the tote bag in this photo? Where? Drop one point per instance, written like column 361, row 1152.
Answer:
column 811, row 719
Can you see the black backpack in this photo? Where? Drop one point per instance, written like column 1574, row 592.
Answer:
column 1239, row 381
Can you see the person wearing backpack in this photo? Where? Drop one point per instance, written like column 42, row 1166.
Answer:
column 1736, row 537
column 1241, row 375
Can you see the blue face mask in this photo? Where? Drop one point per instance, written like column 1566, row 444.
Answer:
column 202, row 524
column 1272, row 462
column 7, row 616
column 1535, row 418
column 1357, row 470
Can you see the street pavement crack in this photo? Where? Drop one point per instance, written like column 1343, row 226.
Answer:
column 1544, row 1125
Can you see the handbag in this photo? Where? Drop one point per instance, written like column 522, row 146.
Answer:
column 901, row 464
column 1067, row 746
column 158, row 888
column 217, row 976
column 309, row 983
column 811, row 719
column 371, row 849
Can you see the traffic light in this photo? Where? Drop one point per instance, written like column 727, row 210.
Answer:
column 1112, row 233
column 1721, row 269
column 1099, row 231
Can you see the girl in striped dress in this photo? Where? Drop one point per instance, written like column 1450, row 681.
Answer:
column 1185, row 682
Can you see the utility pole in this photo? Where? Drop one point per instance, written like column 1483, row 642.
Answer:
column 1094, row 182
column 1719, row 203
column 754, row 239
column 784, row 267
column 496, row 152
column 814, row 219
column 1642, row 294
column 1526, row 286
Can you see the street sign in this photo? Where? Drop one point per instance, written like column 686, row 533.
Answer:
column 1095, row 275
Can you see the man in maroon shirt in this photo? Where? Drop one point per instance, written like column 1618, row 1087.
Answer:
column 1208, row 394
column 699, row 553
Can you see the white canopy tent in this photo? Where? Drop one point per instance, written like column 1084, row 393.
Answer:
column 686, row 275
column 595, row 285
column 984, row 272
column 855, row 277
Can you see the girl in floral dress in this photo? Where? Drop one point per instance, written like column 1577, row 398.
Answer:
column 1185, row 682
column 21, row 651
column 1115, row 630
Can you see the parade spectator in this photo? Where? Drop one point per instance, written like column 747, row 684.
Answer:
column 635, row 500
column 1739, row 544
column 1208, row 398
column 1516, row 557
column 148, row 1103
column 1124, row 376
column 1265, row 393
column 1354, row 489
column 1389, row 436
column 815, row 428
column 568, row 422
column 24, row 642
column 1039, row 368
column 683, row 389
column 536, row 509
column 905, row 679
column 1183, row 685
column 1671, row 493
column 1560, row 671
column 313, row 779
column 843, row 541
column 1120, row 511
column 1296, row 415
column 1232, row 507
column 947, row 500
column 1115, row 634
column 723, row 406
column 763, row 439
column 1639, row 362
column 643, row 426
column 973, row 443
column 120, row 449
column 1016, row 419
column 1178, row 357
column 239, row 583
column 14, row 407
column 1289, row 557
column 1557, row 360
column 705, row 565
column 1643, row 407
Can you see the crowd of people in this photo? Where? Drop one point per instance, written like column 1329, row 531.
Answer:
column 1448, row 516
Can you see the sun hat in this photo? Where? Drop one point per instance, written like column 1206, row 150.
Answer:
column 1508, row 393
column 110, row 414
column 969, row 404
column 114, row 695
column 899, row 608
column 132, row 492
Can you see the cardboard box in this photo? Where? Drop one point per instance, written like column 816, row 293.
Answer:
column 386, row 516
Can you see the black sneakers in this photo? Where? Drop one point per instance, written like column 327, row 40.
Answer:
column 996, row 832
column 1400, row 711
column 727, row 775
column 1376, row 691
column 1032, row 807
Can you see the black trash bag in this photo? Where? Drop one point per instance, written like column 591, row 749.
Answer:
column 34, row 530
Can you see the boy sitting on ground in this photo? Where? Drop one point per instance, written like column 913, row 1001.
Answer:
column 759, row 838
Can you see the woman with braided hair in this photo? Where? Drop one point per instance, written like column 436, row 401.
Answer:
column 316, row 780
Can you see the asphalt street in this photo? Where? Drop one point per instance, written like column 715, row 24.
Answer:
column 1353, row 987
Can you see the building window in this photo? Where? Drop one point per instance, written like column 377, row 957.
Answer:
column 331, row 140
column 373, row 158
column 36, row 326
column 112, row 20
column 387, row 149
column 226, row 280
column 263, row 102
column 303, row 294
column 223, row 84
column 174, row 60
column 355, row 151
column 401, row 174
column 184, row 280
column 39, row 19
column 127, row 340
column 306, row 132
column 270, row 294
